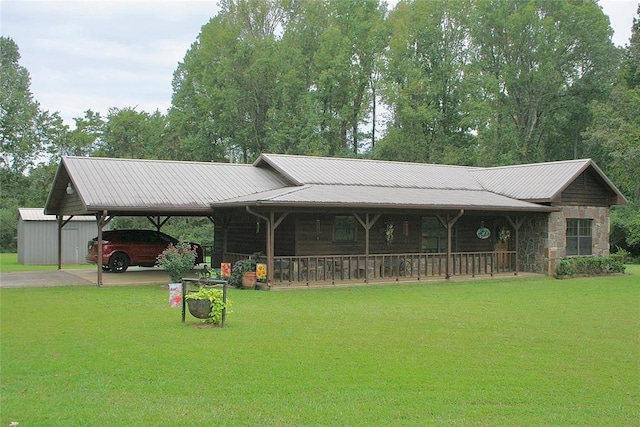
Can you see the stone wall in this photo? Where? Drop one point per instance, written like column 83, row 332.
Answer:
column 542, row 239
column 532, row 238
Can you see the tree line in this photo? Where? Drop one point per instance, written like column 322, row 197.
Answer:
column 468, row 82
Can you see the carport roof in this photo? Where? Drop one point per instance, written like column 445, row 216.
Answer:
column 151, row 187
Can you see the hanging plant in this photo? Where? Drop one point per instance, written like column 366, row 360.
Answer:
column 504, row 234
column 388, row 232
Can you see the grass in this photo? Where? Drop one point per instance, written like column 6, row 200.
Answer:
column 532, row 351
column 9, row 263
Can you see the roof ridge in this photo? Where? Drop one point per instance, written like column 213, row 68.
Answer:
column 191, row 162
column 365, row 160
column 524, row 165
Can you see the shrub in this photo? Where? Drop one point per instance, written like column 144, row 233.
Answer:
column 589, row 266
column 178, row 260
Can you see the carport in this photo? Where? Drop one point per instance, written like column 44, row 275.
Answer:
column 158, row 190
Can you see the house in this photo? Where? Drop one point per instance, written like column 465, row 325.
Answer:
column 334, row 219
column 38, row 238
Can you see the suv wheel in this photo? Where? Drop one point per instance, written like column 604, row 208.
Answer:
column 118, row 263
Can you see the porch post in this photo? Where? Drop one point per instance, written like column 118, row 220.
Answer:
column 102, row 221
column 366, row 224
column 270, row 235
column 450, row 223
column 61, row 223
column 272, row 224
column 59, row 220
column 271, row 259
column 516, row 223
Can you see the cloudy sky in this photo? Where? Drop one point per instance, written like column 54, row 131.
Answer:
column 96, row 54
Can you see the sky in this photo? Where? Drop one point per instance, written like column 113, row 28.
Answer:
column 97, row 54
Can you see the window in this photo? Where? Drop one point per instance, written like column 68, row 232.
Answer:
column 344, row 229
column 434, row 236
column 579, row 241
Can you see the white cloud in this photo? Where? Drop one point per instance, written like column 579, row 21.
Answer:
column 99, row 54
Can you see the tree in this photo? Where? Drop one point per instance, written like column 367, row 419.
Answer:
column 224, row 88
column 19, row 112
column 83, row 140
column 613, row 138
column 345, row 63
column 132, row 134
column 535, row 58
column 426, row 83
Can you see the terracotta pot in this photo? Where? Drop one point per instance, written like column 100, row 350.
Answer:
column 249, row 279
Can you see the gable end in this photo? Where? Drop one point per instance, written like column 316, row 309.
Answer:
column 588, row 189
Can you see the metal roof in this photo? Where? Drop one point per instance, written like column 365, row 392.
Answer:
column 158, row 187
column 340, row 171
column 37, row 214
column 539, row 182
column 167, row 186
column 311, row 195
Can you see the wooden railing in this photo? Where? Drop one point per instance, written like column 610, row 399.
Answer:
column 335, row 268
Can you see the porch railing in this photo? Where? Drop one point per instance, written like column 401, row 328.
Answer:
column 337, row 268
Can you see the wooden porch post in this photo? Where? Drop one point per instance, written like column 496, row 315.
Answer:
column 516, row 223
column 272, row 224
column 59, row 220
column 366, row 224
column 61, row 224
column 450, row 223
column 103, row 220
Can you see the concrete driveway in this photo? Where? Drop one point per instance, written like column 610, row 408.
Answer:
column 88, row 277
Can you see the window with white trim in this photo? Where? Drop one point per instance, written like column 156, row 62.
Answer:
column 579, row 236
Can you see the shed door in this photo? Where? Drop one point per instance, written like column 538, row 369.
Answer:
column 72, row 253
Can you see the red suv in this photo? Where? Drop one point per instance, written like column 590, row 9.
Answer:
column 122, row 248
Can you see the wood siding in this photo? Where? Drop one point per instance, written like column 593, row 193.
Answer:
column 588, row 190
column 312, row 235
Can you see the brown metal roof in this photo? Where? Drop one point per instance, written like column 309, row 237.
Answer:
column 148, row 187
column 125, row 185
column 537, row 182
column 340, row 171
column 311, row 195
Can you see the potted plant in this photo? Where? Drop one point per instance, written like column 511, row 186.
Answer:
column 243, row 273
column 207, row 303
column 177, row 260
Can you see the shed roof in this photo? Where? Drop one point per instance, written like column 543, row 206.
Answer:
column 37, row 214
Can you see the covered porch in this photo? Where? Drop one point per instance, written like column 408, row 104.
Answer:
column 332, row 269
column 301, row 247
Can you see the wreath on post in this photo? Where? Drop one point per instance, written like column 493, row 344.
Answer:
column 504, row 234
column 388, row 232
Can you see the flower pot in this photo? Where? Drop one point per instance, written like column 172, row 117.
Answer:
column 199, row 308
column 249, row 279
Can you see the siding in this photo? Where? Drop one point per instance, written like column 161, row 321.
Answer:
column 38, row 239
column 587, row 190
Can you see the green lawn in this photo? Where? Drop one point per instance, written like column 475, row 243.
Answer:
column 9, row 262
column 504, row 352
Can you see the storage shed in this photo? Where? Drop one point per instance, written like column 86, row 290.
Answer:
column 38, row 238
